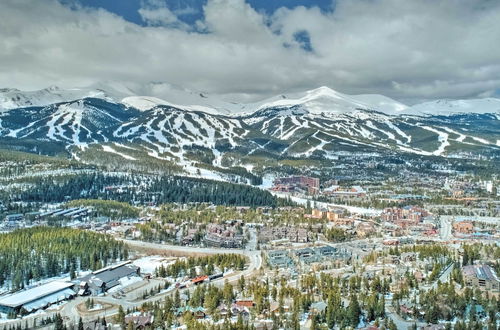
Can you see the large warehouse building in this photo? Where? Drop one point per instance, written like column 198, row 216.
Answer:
column 36, row 298
column 102, row 280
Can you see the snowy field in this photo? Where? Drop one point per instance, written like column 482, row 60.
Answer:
column 150, row 263
column 352, row 209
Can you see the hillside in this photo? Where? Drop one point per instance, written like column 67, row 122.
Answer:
column 146, row 132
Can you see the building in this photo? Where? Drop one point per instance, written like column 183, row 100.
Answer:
column 405, row 216
column 228, row 235
column 292, row 234
column 279, row 258
column 139, row 320
column 104, row 279
column 14, row 217
column 365, row 229
column 482, row 277
column 37, row 298
column 297, row 184
column 463, row 227
column 338, row 191
column 200, row 279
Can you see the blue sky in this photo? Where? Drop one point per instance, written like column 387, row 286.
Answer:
column 193, row 9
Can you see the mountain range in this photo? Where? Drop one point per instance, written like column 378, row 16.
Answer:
column 195, row 132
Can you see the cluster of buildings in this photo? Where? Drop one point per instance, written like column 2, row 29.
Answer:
column 44, row 295
column 300, row 184
column 19, row 220
column 404, row 216
column 343, row 192
column 228, row 235
column 330, row 214
column 285, row 233
column 309, row 255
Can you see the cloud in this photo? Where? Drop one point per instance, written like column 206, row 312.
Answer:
column 156, row 13
column 408, row 50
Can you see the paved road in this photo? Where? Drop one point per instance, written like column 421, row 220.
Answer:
column 445, row 230
column 444, row 277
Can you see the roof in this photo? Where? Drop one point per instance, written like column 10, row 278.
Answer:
column 483, row 272
column 23, row 297
column 109, row 275
column 245, row 303
column 319, row 306
column 199, row 279
column 48, row 300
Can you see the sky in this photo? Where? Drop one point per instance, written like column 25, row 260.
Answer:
column 249, row 50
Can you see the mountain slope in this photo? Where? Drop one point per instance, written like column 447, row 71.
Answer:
column 319, row 124
column 449, row 107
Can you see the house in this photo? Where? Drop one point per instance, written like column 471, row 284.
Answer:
column 94, row 325
column 139, row 320
column 237, row 310
column 224, row 310
column 197, row 312
column 245, row 303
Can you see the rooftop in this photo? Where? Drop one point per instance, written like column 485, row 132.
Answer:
column 22, row 297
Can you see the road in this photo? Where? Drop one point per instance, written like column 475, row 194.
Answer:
column 445, row 230
column 443, row 278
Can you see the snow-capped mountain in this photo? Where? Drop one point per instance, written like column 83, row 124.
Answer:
column 14, row 98
column 447, row 107
column 324, row 99
column 320, row 123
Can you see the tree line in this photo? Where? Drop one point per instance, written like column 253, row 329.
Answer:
column 32, row 254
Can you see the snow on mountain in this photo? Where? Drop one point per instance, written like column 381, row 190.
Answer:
column 145, row 103
column 149, row 95
column 381, row 103
column 449, row 107
column 324, row 99
column 14, row 98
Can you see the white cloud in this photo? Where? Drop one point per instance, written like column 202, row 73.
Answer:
column 404, row 49
column 156, row 13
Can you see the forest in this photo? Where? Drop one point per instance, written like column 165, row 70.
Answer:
column 143, row 189
column 106, row 208
column 207, row 264
column 32, row 254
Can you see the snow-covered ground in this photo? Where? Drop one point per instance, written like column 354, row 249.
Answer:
column 352, row 209
column 150, row 263
column 124, row 282
column 113, row 151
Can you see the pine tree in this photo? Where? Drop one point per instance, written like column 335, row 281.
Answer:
column 59, row 325
column 354, row 311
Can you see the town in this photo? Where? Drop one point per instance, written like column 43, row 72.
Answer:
column 359, row 255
